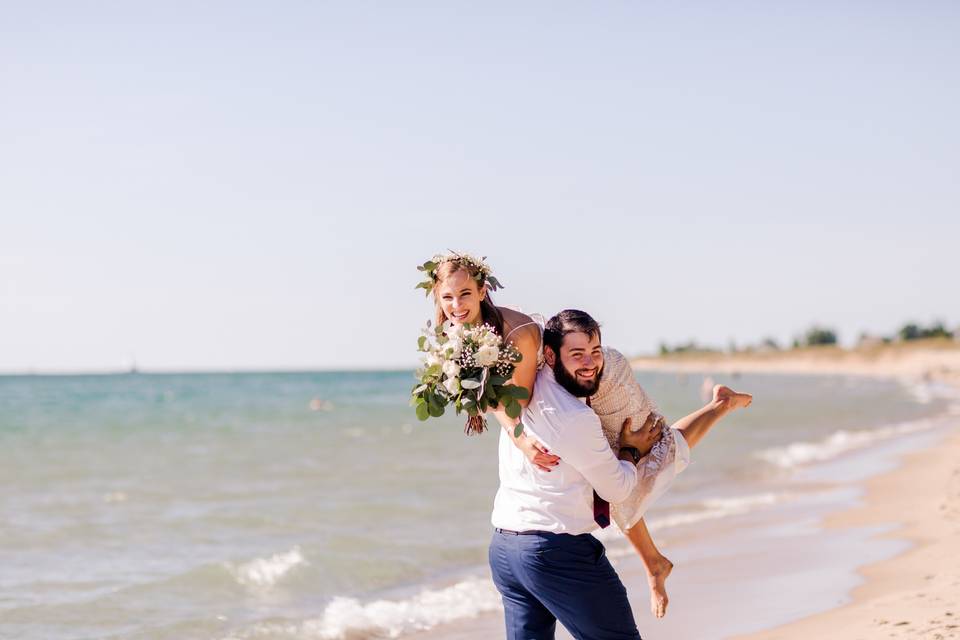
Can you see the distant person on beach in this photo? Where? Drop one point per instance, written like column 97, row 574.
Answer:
column 657, row 453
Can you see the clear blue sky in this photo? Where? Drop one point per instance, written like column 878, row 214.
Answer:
column 251, row 185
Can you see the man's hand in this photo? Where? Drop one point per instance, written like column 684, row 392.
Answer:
column 644, row 439
column 536, row 453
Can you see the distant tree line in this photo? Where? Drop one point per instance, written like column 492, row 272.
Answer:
column 817, row 336
column 916, row 332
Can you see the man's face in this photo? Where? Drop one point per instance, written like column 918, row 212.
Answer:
column 580, row 364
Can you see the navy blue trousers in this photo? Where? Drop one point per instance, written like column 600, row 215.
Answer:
column 545, row 577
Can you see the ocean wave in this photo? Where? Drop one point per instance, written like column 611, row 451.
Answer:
column 714, row 508
column 708, row 509
column 262, row 573
column 350, row 619
column 836, row 444
column 925, row 392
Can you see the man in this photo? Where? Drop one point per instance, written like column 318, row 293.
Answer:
column 545, row 563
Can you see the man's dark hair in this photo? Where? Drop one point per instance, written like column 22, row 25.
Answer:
column 568, row 321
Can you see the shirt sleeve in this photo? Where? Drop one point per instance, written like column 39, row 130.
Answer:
column 586, row 449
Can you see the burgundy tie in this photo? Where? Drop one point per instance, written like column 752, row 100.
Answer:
column 601, row 508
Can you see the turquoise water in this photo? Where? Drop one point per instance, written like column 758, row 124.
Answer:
column 300, row 505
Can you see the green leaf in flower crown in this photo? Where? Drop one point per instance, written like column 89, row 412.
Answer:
column 423, row 412
column 518, row 430
column 513, row 408
column 429, row 265
column 422, row 340
column 494, row 283
column 468, row 383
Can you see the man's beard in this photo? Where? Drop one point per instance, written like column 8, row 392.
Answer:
column 569, row 381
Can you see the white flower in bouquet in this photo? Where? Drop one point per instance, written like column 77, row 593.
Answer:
column 452, row 385
column 433, row 359
column 451, row 369
column 454, row 346
column 490, row 339
column 452, row 329
column 487, row 355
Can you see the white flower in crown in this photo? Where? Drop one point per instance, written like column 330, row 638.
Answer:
column 451, row 369
column 487, row 355
column 452, row 385
column 484, row 275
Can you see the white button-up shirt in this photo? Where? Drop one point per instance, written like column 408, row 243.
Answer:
column 560, row 501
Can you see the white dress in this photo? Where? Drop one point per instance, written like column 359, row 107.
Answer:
column 619, row 397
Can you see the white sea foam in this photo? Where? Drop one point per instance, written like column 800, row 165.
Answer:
column 265, row 572
column 714, row 508
column 925, row 392
column 836, row 444
column 348, row 618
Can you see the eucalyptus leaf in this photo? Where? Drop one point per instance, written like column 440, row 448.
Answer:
column 423, row 411
column 514, row 391
column 513, row 408
column 468, row 383
column 436, row 410
column 518, row 430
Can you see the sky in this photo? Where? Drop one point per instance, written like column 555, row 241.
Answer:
column 235, row 185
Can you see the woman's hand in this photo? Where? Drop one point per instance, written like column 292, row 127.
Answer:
column 538, row 455
column 644, row 439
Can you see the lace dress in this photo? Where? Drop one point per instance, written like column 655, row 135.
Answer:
column 619, row 397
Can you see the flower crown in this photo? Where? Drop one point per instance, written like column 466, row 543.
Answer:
column 482, row 269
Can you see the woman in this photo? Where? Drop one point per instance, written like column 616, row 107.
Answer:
column 461, row 286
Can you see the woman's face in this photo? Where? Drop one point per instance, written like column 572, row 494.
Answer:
column 460, row 297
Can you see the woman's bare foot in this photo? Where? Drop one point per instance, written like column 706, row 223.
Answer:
column 657, row 578
column 730, row 398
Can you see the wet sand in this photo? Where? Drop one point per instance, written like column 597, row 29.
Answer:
column 915, row 594
column 798, row 561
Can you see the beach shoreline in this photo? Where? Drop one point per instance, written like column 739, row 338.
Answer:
column 915, row 594
column 907, row 591
column 927, row 360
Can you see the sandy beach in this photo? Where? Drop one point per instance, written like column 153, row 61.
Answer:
column 917, row 593
column 922, row 359
column 913, row 595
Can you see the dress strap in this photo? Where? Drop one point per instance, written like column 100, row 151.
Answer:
column 525, row 324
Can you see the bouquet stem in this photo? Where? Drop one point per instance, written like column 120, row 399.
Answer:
column 475, row 425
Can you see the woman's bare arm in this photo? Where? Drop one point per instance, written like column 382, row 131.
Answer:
column 527, row 341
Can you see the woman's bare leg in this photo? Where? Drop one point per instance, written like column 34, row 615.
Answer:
column 697, row 424
column 657, row 565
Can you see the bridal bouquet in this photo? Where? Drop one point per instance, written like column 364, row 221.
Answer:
column 467, row 366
